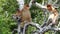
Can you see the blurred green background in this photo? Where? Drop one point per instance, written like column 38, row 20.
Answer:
column 7, row 8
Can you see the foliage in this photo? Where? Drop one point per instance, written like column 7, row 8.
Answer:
column 9, row 7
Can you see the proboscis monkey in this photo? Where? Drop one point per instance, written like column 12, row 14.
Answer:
column 23, row 16
column 54, row 14
column 53, row 17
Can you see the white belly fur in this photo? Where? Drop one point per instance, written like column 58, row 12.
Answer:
column 51, row 16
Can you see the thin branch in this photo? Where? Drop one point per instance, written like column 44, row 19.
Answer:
column 56, row 5
column 30, row 4
column 40, row 6
column 19, row 28
column 56, row 29
column 42, row 30
column 34, row 24
column 55, row 2
column 58, row 25
column 49, row 1
column 6, row 13
column 42, row 2
column 14, row 31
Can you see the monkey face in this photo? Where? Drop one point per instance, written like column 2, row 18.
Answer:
column 49, row 7
column 16, row 17
column 26, row 6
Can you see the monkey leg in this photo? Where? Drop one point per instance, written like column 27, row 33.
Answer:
column 22, row 26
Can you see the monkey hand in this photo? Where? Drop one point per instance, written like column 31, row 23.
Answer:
column 15, row 17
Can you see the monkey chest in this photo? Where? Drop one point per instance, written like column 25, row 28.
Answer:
column 26, row 15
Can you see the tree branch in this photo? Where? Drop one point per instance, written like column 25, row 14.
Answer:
column 30, row 4
column 40, row 6
column 21, row 4
column 42, row 30
column 55, row 2
column 43, row 2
